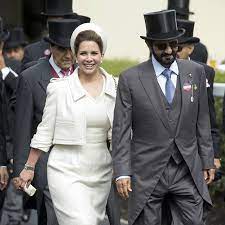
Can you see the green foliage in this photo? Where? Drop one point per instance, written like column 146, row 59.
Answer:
column 220, row 77
column 217, row 188
column 116, row 66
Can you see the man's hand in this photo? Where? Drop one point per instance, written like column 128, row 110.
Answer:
column 123, row 186
column 4, row 177
column 209, row 175
column 217, row 163
column 25, row 178
column 16, row 182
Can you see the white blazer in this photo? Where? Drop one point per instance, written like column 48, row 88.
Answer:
column 63, row 120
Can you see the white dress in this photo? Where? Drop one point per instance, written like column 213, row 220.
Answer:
column 79, row 176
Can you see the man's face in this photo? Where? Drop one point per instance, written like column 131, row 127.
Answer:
column 184, row 51
column 165, row 51
column 63, row 57
column 16, row 53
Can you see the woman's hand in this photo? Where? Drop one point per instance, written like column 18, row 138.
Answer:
column 25, row 178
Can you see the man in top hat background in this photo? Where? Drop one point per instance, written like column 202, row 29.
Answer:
column 14, row 46
column 53, row 9
column 186, row 46
column 163, row 101
column 30, row 101
column 200, row 52
column 13, row 206
column 9, row 70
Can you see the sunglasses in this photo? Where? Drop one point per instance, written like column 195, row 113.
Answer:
column 163, row 45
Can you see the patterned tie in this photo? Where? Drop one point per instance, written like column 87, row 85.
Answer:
column 170, row 89
column 65, row 72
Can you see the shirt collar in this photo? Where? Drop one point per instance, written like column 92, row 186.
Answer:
column 159, row 68
column 53, row 64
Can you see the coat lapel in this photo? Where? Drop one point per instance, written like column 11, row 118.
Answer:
column 185, row 78
column 45, row 76
column 152, row 88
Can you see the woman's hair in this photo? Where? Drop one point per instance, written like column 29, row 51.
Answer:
column 88, row 35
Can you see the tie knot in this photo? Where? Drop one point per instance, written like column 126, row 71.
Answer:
column 65, row 72
column 167, row 73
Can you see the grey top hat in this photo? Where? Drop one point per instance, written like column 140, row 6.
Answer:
column 58, row 8
column 181, row 6
column 16, row 38
column 60, row 31
column 187, row 38
column 162, row 25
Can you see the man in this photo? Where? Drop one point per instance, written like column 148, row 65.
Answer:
column 30, row 101
column 161, row 140
column 200, row 52
column 3, row 155
column 7, row 86
column 14, row 46
column 53, row 9
column 13, row 205
column 186, row 46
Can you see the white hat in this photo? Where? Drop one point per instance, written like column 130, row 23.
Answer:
column 88, row 26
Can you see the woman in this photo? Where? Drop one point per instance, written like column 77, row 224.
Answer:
column 76, row 124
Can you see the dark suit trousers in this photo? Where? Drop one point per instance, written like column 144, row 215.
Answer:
column 185, row 203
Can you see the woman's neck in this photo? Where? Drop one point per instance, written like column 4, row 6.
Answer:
column 89, row 77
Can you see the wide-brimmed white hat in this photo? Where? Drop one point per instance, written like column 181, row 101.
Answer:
column 88, row 26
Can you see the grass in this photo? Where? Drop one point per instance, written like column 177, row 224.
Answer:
column 116, row 66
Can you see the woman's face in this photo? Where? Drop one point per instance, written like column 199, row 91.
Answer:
column 89, row 57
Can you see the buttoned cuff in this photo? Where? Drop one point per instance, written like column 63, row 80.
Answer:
column 5, row 71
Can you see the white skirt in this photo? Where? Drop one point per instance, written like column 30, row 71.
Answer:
column 79, row 179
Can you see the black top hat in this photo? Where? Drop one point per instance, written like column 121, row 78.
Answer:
column 58, row 8
column 161, row 26
column 4, row 34
column 16, row 38
column 60, row 31
column 181, row 6
column 187, row 38
column 83, row 19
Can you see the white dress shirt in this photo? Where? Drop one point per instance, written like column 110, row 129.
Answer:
column 158, row 68
column 5, row 71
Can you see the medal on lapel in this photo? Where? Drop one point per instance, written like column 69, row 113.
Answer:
column 190, row 87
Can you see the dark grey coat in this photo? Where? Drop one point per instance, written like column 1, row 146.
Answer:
column 146, row 154
column 30, row 102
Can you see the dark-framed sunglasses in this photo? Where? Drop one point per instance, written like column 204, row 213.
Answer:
column 163, row 45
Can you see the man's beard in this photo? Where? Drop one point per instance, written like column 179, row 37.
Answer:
column 165, row 59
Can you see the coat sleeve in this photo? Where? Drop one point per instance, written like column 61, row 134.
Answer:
column 203, row 126
column 210, row 73
column 45, row 131
column 23, row 125
column 121, row 133
column 3, row 156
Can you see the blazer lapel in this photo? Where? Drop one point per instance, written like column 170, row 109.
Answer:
column 45, row 76
column 185, row 78
column 152, row 88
